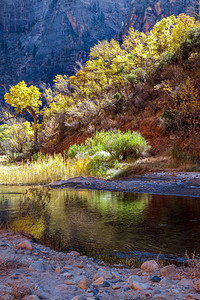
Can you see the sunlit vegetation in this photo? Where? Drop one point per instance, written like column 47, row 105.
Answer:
column 107, row 149
column 44, row 170
column 146, row 74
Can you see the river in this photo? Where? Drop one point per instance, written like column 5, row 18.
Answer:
column 109, row 226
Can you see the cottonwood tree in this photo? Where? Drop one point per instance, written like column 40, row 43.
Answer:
column 25, row 99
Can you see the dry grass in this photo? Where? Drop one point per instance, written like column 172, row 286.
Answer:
column 42, row 171
column 192, row 270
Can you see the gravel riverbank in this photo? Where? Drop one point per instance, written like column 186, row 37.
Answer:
column 31, row 271
column 164, row 183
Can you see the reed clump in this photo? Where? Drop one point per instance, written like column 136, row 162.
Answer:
column 42, row 171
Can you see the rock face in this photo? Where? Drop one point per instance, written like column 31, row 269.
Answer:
column 145, row 13
column 42, row 38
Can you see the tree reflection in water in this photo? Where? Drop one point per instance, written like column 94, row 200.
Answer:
column 96, row 223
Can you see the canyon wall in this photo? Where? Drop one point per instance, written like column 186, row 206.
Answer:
column 42, row 38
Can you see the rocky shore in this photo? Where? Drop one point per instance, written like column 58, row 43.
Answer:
column 164, row 183
column 30, row 271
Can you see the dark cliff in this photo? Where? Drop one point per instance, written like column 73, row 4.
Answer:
column 144, row 14
column 42, row 38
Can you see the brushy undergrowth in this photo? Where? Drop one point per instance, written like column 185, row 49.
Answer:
column 106, row 151
column 44, row 170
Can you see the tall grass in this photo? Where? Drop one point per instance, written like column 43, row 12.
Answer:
column 45, row 170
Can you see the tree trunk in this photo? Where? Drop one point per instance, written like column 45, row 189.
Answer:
column 35, row 127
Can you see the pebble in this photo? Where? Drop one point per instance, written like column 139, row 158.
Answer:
column 150, row 266
column 169, row 271
column 37, row 266
column 57, row 275
column 58, row 270
column 61, row 287
column 67, row 275
column 133, row 278
column 138, row 286
column 75, row 253
column 116, row 286
column 116, row 275
column 25, row 245
column 105, row 284
column 156, row 278
column 84, row 283
column 68, row 267
column 99, row 281
column 69, row 282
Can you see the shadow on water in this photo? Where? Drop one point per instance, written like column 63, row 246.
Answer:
column 110, row 226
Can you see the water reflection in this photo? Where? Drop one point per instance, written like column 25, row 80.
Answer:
column 98, row 222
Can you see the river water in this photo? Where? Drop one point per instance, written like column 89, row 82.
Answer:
column 109, row 226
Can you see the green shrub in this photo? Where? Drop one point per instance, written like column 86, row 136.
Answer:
column 107, row 149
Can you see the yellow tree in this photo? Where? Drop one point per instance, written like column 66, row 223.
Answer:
column 25, row 99
column 183, row 23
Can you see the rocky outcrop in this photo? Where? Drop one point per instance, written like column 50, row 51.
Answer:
column 42, row 38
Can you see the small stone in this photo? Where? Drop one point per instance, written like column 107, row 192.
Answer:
column 84, row 283
column 105, row 284
column 79, row 278
column 70, row 282
column 99, row 281
column 75, row 253
column 116, row 275
column 68, row 267
column 58, row 270
column 103, row 273
column 80, row 266
column 150, row 266
column 169, row 271
column 116, row 286
column 95, row 291
column 37, row 266
column 156, row 279
column 134, row 278
column 67, row 275
column 61, row 287
column 165, row 282
column 138, row 286
column 25, row 245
